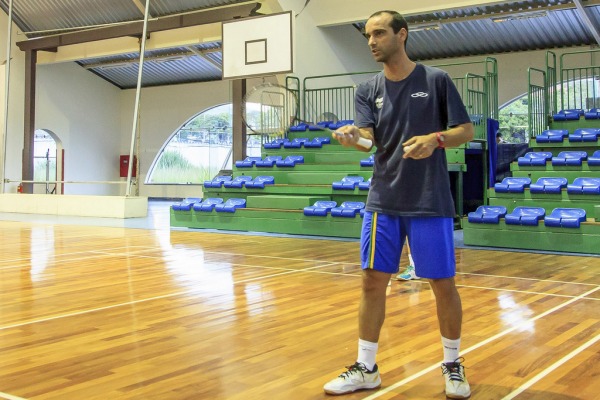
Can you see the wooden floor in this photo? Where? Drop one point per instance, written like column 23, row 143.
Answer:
column 90, row 312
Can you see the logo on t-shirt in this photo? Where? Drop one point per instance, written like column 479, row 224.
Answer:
column 419, row 94
column 379, row 102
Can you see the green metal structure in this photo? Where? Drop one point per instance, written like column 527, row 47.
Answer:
column 549, row 91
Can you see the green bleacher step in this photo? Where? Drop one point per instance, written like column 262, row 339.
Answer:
column 569, row 240
column 282, row 202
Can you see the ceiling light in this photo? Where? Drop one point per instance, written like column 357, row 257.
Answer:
column 424, row 27
column 514, row 17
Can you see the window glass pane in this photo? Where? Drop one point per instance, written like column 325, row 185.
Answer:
column 198, row 150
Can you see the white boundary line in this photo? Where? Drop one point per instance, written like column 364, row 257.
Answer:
column 551, row 368
column 285, row 271
column 481, row 344
column 10, row 397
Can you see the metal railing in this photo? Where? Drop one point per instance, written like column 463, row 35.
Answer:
column 331, row 97
column 579, row 85
column 537, row 101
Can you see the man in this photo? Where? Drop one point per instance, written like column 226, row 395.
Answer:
column 410, row 112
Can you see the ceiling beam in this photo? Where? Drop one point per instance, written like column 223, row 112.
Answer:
column 202, row 54
column 135, row 29
column 139, row 6
column 587, row 21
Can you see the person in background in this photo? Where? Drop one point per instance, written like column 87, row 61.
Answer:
column 409, row 273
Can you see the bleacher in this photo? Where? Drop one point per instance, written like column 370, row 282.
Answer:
column 552, row 200
column 308, row 184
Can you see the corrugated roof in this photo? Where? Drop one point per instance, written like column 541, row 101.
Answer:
column 521, row 26
column 527, row 25
column 43, row 17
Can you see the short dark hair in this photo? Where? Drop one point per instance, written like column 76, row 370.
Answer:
column 398, row 21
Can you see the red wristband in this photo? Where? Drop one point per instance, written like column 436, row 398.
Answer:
column 441, row 139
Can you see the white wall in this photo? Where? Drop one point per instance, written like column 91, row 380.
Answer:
column 162, row 111
column 83, row 111
column 14, row 141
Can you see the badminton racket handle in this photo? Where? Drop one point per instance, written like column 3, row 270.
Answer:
column 364, row 142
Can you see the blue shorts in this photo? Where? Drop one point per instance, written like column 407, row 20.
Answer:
column 431, row 241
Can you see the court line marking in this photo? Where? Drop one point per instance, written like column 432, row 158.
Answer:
column 129, row 303
column 480, row 344
column 551, row 368
column 10, row 396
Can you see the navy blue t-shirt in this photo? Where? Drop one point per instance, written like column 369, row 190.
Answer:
column 426, row 101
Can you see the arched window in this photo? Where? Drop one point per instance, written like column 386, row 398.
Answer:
column 513, row 118
column 199, row 149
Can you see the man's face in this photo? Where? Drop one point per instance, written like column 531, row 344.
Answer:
column 383, row 42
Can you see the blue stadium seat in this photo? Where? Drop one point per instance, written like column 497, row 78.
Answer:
column 584, row 186
column 260, row 181
column 525, row 216
column 365, row 185
column 290, row 161
column 320, row 208
column 512, row 185
column 295, row 143
column 569, row 158
column 268, row 161
column 337, row 125
column 487, row 214
column 231, row 205
column 320, row 126
column 552, row 136
column 217, row 181
column 186, row 204
column 248, row 162
column 317, row 142
column 534, row 158
column 552, row 185
column 584, row 135
column 594, row 159
column 299, row 128
column 368, row 162
column 207, row 205
column 568, row 115
column 594, row 113
column 276, row 144
column 238, row 181
column 348, row 209
column 566, row 217
column 347, row 183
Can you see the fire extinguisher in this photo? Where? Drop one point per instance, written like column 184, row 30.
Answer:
column 20, row 188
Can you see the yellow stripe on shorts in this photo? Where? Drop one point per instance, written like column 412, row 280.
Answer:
column 373, row 234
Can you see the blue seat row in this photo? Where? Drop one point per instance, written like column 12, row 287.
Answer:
column 270, row 162
column 351, row 182
column 297, row 143
column 584, row 185
column 564, row 158
column 244, row 180
column 321, row 125
column 559, row 135
column 559, row 217
column 209, row 204
column 186, row 204
column 575, row 113
column 348, row 209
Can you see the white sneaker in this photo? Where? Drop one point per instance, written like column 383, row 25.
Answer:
column 357, row 377
column 408, row 275
column 457, row 386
